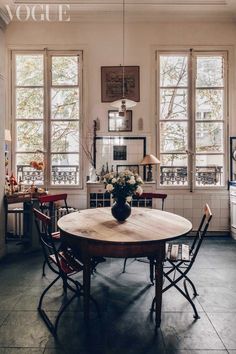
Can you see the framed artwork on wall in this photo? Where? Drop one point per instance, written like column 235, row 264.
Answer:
column 132, row 168
column 119, row 152
column 112, row 83
column 117, row 123
column 130, row 151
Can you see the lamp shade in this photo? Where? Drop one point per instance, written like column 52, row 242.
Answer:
column 7, row 135
column 150, row 160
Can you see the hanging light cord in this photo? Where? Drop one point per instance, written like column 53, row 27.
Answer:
column 123, row 59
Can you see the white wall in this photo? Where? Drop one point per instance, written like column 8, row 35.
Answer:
column 2, row 132
column 102, row 45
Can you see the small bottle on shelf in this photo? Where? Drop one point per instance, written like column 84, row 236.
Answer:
column 102, row 172
column 107, row 169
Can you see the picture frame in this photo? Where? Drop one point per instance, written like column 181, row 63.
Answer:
column 103, row 152
column 117, row 123
column 132, row 168
column 112, row 83
column 119, row 152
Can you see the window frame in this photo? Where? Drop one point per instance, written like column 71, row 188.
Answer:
column 191, row 121
column 47, row 59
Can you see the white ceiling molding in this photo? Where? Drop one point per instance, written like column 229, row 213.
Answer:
column 136, row 10
column 134, row 2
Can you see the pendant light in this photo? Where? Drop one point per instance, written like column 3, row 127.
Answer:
column 123, row 104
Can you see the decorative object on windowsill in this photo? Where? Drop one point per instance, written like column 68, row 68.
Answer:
column 122, row 186
column 13, row 184
column 124, row 103
column 150, row 160
column 38, row 163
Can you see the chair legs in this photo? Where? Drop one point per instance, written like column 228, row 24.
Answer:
column 53, row 327
column 43, row 270
column 151, row 267
column 185, row 293
column 125, row 261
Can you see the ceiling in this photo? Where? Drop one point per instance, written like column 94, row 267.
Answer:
column 135, row 10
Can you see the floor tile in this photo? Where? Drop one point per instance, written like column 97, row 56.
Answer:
column 181, row 331
column 217, row 299
column 225, row 325
column 23, row 329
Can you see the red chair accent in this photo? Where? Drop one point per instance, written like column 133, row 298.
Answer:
column 63, row 263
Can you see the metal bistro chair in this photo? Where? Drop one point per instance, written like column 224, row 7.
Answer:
column 180, row 259
column 146, row 200
column 48, row 205
column 63, row 263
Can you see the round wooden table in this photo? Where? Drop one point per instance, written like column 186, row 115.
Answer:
column 94, row 232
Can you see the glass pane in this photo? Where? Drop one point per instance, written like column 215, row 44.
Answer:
column 65, row 104
column 209, row 137
column 65, row 169
column 209, row 170
column 173, row 70
column 65, row 70
column 174, row 170
column 27, row 173
column 65, row 136
column 173, row 104
column 29, row 136
column 210, row 71
column 29, row 103
column 29, row 70
column 173, row 136
column 209, row 104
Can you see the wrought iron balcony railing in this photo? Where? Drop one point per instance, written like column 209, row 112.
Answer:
column 61, row 175
column 178, row 175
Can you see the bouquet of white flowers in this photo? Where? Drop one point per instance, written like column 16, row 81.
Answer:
column 123, row 185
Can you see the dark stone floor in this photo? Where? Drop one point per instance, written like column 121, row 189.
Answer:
column 125, row 325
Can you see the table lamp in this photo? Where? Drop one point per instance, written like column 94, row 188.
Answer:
column 150, row 160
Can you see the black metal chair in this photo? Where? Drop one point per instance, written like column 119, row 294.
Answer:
column 146, row 200
column 50, row 205
column 63, row 263
column 180, row 259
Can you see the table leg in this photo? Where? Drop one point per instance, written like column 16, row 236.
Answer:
column 86, row 286
column 158, row 285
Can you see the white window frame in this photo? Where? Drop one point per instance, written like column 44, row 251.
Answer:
column 47, row 54
column 191, row 121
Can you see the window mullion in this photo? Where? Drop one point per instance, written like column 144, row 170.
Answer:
column 191, row 125
column 47, row 140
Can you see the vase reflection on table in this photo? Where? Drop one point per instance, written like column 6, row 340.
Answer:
column 122, row 186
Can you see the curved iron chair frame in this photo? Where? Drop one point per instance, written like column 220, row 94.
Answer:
column 182, row 267
column 49, row 249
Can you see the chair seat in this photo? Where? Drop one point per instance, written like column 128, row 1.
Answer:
column 56, row 235
column 68, row 262
column 177, row 252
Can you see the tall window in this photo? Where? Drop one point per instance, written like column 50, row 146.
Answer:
column 46, row 111
column 192, row 118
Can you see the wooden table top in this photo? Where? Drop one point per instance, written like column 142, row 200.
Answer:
column 144, row 225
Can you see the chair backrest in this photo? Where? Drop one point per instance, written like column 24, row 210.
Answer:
column 151, row 196
column 43, row 226
column 47, row 204
column 201, row 232
column 52, row 198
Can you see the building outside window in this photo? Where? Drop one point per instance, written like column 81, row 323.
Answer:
column 46, row 110
column 192, row 114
